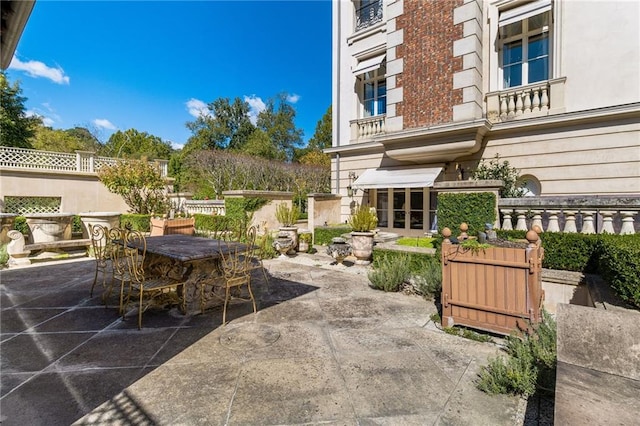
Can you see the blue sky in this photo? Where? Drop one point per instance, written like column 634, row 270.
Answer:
column 153, row 65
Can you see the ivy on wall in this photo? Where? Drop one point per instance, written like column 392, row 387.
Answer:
column 475, row 209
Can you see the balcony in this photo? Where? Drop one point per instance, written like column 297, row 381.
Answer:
column 366, row 128
column 368, row 14
column 534, row 100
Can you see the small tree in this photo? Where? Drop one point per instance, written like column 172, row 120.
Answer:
column 501, row 170
column 139, row 183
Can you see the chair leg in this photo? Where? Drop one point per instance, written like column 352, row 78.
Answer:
column 253, row 300
column 95, row 279
column 224, row 311
column 140, row 311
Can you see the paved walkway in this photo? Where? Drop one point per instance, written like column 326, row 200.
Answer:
column 324, row 348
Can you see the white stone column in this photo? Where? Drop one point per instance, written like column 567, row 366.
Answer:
column 506, row 219
column 587, row 222
column 554, row 225
column 607, row 222
column 537, row 219
column 521, row 224
column 570, row 221
column 627, row 223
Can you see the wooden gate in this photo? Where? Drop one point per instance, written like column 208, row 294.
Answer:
column 498, row 289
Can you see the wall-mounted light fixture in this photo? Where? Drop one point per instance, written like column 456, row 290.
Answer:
column 351, row 191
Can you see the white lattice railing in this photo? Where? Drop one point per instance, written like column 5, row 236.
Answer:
column 81, row 161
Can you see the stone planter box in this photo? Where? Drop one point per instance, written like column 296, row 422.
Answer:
column 48, row 227
column 106, row 219
column 6, row 222
column 498, row 289
column 184, row 226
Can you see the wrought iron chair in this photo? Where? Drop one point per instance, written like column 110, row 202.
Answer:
column 102, row 245
column 254, row 253
column 142, row 290
column 236, row 271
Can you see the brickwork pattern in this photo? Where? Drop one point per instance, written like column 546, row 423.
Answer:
column 429, row 65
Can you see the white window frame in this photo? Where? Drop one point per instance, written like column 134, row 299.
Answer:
column 374, row 77
column 524, row 37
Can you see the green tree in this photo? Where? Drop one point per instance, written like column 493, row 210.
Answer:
column 321, row 139
column 228, row 126
column 134, row 144
column 260, row 144
column 139, row 183
column 278, row 121
column 70, row 140
column 501, row 170
column 16, row 128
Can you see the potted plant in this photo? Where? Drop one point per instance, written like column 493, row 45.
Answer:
column 304, row 241
column 363, row 221
column 288, row 216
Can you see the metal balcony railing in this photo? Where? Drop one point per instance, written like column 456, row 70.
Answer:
column 368, row 13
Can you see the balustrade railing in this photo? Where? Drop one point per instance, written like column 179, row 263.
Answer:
column 212, row 207
column 81, row 161
column 365, row 128
column 368, row 13
column 587, row 215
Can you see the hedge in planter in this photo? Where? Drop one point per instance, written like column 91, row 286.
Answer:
column 475, row 209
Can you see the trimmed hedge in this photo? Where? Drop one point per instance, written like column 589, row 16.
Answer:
column 476, row 209
column 415, row 260
column 207, row 222
column 324, row 234
column 619, row 265
column 136, row 222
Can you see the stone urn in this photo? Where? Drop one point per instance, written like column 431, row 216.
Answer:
column 339, row 249
column 48, row 227
column 8, row 220
column 283, row 244
column 106, row 219
column 362, row 245
column 291, row 232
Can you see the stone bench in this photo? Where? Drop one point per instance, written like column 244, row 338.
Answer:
column 19, row 251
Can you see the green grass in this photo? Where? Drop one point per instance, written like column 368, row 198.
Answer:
column 423, row 242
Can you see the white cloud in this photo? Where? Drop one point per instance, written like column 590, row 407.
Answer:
column 103, row 123
column 176, row 145
column 292, row 99
column 47, row 121
column 256, row 106
column 37, row 69
column 197, row 108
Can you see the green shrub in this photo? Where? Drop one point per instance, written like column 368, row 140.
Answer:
column 287, row 216
column 428, row 278
column 390, row 273
column 619, row 265
column 136, row 222
column 211, row 223
column 570, row 252
column 363, row 219
column 20, row 224
column 4, row 256
column 530, row 365
column 265, row 242
column 475, row 209
column 415, row 261
column 324, row 234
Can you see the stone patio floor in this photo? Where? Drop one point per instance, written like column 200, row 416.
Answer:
column 324, row 348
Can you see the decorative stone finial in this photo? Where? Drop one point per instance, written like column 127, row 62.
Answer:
column 532, row 236
column 446, row 232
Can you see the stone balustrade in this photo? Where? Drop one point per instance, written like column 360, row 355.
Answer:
column 212, row 207
column 587, row 215
column 365, row 128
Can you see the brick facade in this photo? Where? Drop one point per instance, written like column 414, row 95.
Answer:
column 429, row 65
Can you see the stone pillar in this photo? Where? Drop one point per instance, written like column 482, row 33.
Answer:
column 537, row 219
column 607, row 222
column 570, row 221
column 587, row 222
column 627, row 223
column 554, row 226
column 506, row 219
column 521, row 224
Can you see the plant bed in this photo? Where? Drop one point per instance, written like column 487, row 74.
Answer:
column 498, row 289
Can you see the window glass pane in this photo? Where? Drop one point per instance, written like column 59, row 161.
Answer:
column 512, row 53
column 538, row 46
column 539, row 70
column 512, row 76
column 416, row 200
column 382, row 105
column 416, row 216
column 538, row 21
column 382, row 206
column 512, row 29
column 369, row 108
column 398, row 208
column 368, row 91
